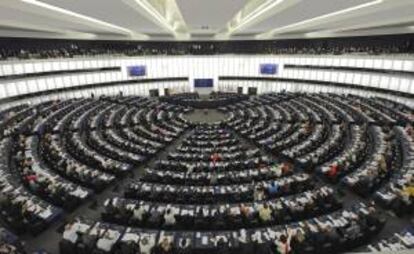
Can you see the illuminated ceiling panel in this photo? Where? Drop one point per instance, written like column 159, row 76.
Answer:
column 208, row 16
column 203, row 19
column 320, row 19
column 112, row 11
column 301, row 11
column 166, row 14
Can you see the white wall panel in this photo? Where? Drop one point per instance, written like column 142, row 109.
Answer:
column 209, row 67
column 54, row 66
column 79, row 64
column 18, row 69
column 404, row 85
column 378, row 63
column 32, row 86
column 394, row 83
column 365, row 80
column 64, row 65
column 387, row 64
column 72, row 65
column 412, row 87
column 28, row 68
column 21, row 87
column 11, row 89
column 89, row 79
column 87, row 64
column 398, row 65
column 7, row 69
column 38, row 67
column 49, row 84
column 342, row 77
column 408, row 66
column 3, row 92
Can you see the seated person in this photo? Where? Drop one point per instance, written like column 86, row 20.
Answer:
column 6, row 248
column 89, row 238
column 265, row 213
column 273, row 189
column 138, row 214
column 333, row 171
column 215, row 157
column 146, row 245
column 165, row 247
column 286, row 168
column 105, row 243
column 283, row 245
column 383, row 170
column 258, row 194
column 245, row 211
column 169, row 218
column 297, row 242
column 408, row 191
column 184, row 246
column 331, row 234
column 213, row 179
column 70, row 233
column 277, row 170
column 353, row 230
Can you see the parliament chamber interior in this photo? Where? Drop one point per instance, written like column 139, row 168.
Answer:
column 191, row 126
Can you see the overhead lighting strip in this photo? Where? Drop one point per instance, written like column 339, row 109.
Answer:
column 319, row 18
column 83, row 17
column 170, row 24
column 253, row 11
column 268, row 5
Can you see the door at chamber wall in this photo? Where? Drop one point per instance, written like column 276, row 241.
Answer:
column 154, row 93
column 252, row 91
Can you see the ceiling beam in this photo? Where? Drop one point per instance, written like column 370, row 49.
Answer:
column 253, row 12
column 330, row 17
column 53, row 32
column 50, row 11
column 357, row 33
column 387, row 25
column 164, row 13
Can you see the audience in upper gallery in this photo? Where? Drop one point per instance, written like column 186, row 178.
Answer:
column 14, row 48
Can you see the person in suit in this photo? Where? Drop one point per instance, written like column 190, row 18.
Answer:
column 128, row 247
column 169, row 218
column 297, row 242
column 166, row 246
column 88, row 240
column 6, row 248
column 4, row 200
column 138, row 214
column 331, row 234
column 70, row 234
column 283, row 245
column 213, row 178
column 258, row 194
column 146, row 245
column 222, row 246
column 333, row 171
column 184, row 246
column 273, row 189
column 353, row 230
column 265, row 213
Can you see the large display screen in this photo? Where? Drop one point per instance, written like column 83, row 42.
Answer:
column 203, row 82
column 269, row 69
column 136, row 71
